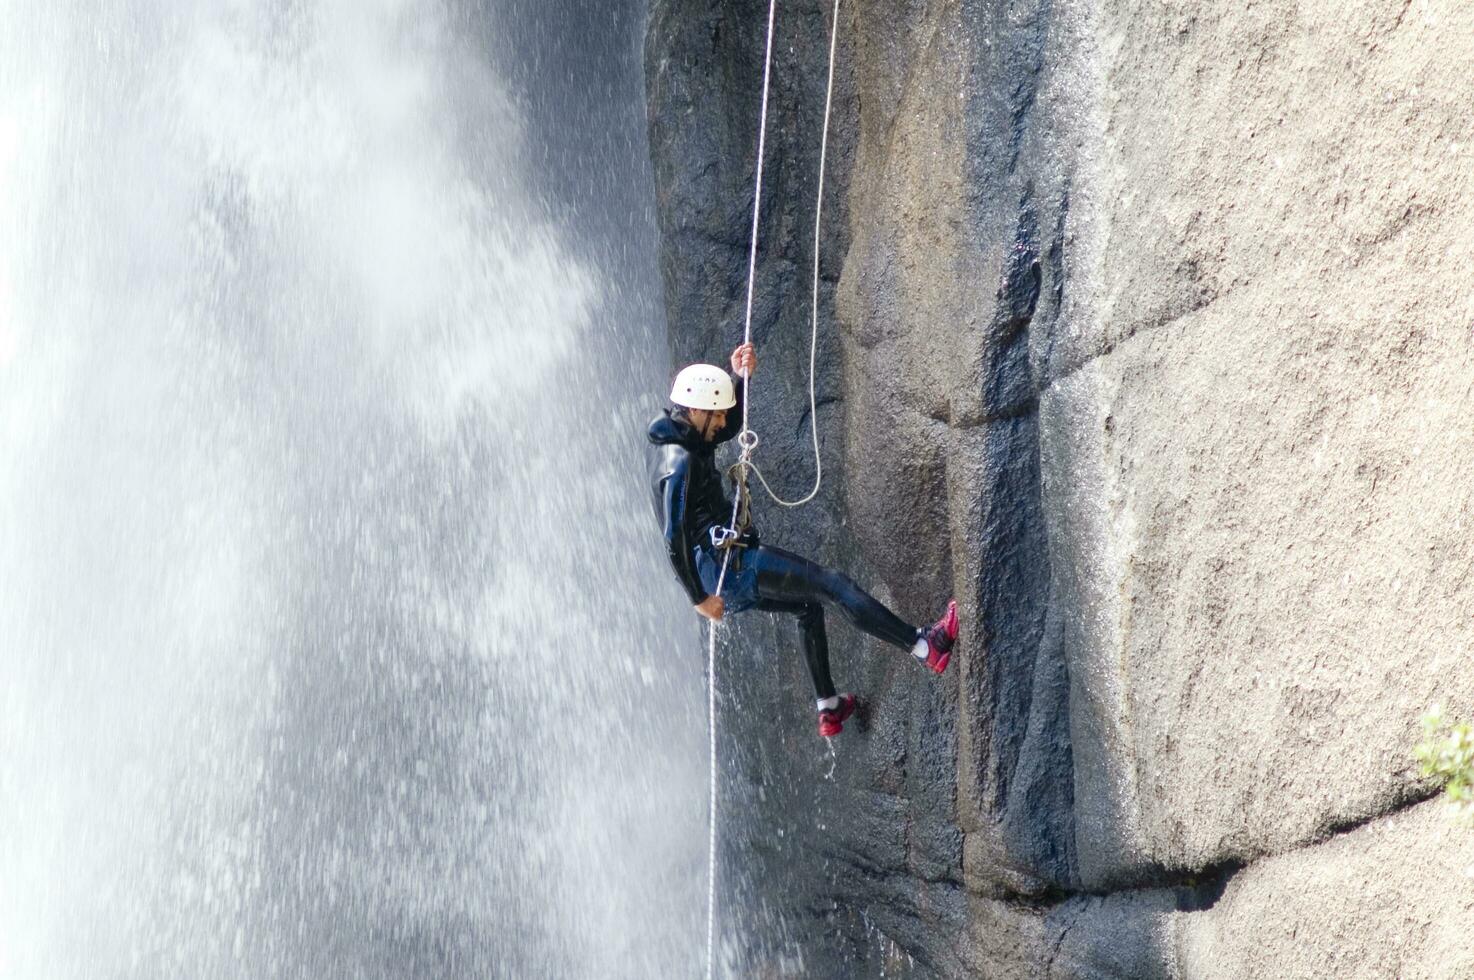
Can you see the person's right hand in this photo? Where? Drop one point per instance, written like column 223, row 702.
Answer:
column 711, row 607
column 744, row 360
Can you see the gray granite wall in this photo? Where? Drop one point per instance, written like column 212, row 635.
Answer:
column 1146, row 333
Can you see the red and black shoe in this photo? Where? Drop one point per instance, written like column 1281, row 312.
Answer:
column 831, row 720
column 940, row 638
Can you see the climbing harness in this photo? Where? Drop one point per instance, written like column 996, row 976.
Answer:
column 747, row 441
column 729, row 544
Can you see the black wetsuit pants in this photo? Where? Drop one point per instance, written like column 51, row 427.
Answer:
column 787, row 583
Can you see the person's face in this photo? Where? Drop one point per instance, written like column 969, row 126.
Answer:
column 708, row 422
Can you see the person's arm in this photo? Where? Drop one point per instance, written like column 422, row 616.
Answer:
column 678, row 544
column 744, row 363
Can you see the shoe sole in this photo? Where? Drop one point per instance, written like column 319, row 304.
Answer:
column 950, row 628
column 950, row 619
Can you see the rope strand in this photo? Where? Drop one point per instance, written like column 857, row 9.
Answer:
column 814, row 292
column 747, row 439
column 711, row 658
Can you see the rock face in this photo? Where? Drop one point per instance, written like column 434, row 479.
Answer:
column 1145, row 331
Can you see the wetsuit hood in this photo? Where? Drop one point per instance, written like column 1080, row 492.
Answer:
column 670, row 431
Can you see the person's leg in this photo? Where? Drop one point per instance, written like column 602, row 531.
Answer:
column 816, row 643
column 787, row 578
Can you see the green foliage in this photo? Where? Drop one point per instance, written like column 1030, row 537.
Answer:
column 1446, row 756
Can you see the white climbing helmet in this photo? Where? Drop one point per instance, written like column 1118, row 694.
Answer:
column 703, row 386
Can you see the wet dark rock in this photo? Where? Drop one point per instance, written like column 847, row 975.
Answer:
column 891, row 833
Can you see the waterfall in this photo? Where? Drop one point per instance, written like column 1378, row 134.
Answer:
column 334, row 641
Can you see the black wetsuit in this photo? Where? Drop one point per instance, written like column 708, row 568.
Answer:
column 690, row 500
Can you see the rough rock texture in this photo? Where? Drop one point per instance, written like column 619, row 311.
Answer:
column 1393, row 899
column 1146, row 333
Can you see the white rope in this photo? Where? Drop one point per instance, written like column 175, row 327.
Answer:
column 747, row 439
column 711, row 655
column 813, row 296
column 711, row 837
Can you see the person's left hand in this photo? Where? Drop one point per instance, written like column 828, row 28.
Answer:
column 744, row 361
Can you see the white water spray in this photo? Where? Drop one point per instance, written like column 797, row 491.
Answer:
column 325, row 647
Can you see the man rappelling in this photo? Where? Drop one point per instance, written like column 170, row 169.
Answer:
column 694, row 509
